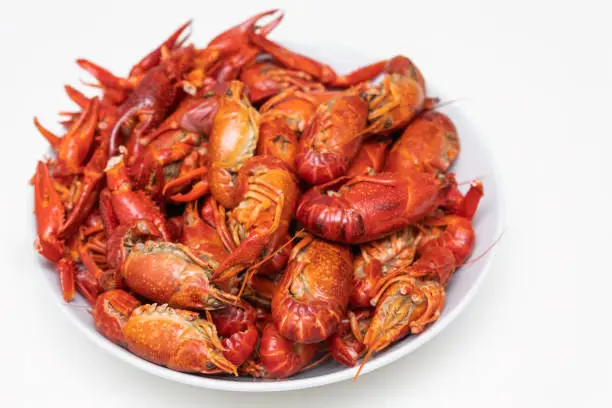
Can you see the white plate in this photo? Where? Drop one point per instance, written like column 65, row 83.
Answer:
column 475, row 161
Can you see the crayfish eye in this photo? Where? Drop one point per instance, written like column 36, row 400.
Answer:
column 214, row 303
column 229, row 93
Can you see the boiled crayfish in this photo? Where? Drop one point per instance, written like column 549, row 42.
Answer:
column 244, row 209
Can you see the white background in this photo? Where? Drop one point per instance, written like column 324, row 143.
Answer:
column 540, row 73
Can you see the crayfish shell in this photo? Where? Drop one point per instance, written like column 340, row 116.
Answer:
column 312, row 296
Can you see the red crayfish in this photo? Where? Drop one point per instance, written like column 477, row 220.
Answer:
column 244, row 209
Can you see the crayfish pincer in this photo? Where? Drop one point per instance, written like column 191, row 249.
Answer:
column 111, row 312
column 177, row 339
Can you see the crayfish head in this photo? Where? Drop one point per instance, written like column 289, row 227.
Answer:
column 397, row 305
column 236, row 92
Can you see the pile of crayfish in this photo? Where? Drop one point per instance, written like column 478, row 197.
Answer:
column 244, row 209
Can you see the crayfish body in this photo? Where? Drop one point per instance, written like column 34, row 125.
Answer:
column 364, row 208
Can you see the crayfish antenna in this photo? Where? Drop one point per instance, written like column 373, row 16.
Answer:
column 87, row 308
column 208, row 316
column 365, row 359
column 247, row 278
column 472, row 180
column 485, row 252
column 317, row 362
column 434, row 103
